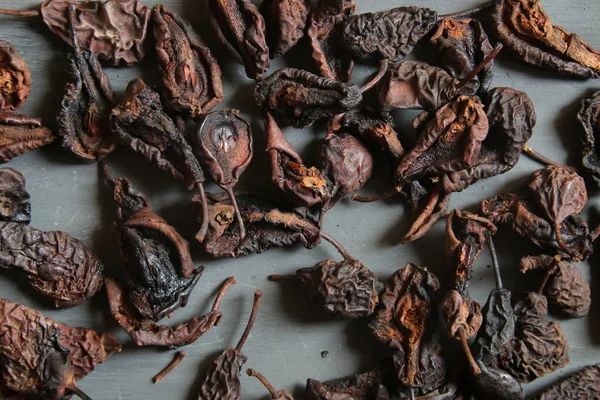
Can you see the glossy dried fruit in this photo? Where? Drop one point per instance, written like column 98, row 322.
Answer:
column 463, row 44
column 585, row 384
column 15, row 78
column 387, row 35
column 275, row 394
column 222, row 381
column 223, row 145
column 539, row 346
column 56, row 264
column 299, row 98
column 268, row 225
column 20, row 134
column 39, row 356
column 300, row 185
column 241, row 28
column 589, row 118
column 15, row 203
column 191, row 76
column 524, row 28
column 286, row 22
column 564, row 286
column 83, row 124
column 113, row 30
column 324, row 33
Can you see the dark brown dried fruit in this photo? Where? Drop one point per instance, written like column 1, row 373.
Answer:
column 589, row 117
column 191, row 76
column 42, row 357
column 83, row 124
column 20, row 134
column 299, row 98
column 15, row 203
column 113, row 30
column 525, row 28
column 286, row 21
column 241, row 28
column 275, row 394
column 539, row 346
column 387, row 35
column 324, row 32
column 564, row 286
column 223, row 145
column 402, row 323
column 301, row 186
column 15, row 78
column 57, row 265
column 267, row 224
column 463, row 44
column 585, row 384
column 222, row 381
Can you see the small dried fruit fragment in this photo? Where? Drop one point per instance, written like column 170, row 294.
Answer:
column 589, row 117
column 524, row 28
column 191, row 76
column 299, row 98
column 113, row 30
column 57, row 265
column 15, row 203
column 20, row 134
column 241, row 28
column 286, row 21
column 83, row 124
column 324, row 33
column 585, row 384
column 15, row 78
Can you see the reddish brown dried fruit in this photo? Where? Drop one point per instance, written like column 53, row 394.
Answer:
column 15, row 203
column 585, row 384
column 524, row 27
column 15, row 78
column 286, row 21
column 20, row 134
column 241, row 28
column 324, row 32
column 191, row 76
column 589, row 117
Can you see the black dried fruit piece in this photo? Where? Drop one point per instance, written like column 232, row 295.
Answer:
column 299, row 98
column 589, row 118
column 286, row 22
column 191, row 76
column 15, row 203
column 15, row 78
column 20, row 134
column 585, row 384
column 56, row 264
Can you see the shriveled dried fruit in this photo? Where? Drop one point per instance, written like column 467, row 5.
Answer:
column 223, row 145
column 286, row 22
column 56, row 264
column 524, row 28
column 363, row 386
column 299, row 98
column 15, row 203
column 539, row 346
column 275, row 394
column 42, row 357
column 585, row 384
column 83, row 124
column 241, row 28
column 589, row 117
column 191, row 76
column 20, row 134
column 222, row 381
column 15, row 78
column 324, row 32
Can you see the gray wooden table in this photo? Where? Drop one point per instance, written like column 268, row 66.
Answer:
column 290, row 337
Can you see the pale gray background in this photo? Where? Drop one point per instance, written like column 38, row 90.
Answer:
column 290, row 334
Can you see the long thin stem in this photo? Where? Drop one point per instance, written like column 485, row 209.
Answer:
column 494, row 260
column 20, row 13
column 465, row 344
column 412, row 393
column 238, row 214
column 595, row 233
column 337, row 246
column 468, row 13
column 547, row 276
column 263, row 380
column 228, row 283
column 282, row 278
column 539, row 157
column 201, row 235
column 71, row 20
column 383, row 67
column 255, row 306
column 480, row 67
column 78, row 392
column 169, row 368
column 370, row 199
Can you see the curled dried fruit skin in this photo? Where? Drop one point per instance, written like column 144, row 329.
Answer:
column 57, row 265
column 585, row 384
column 589, row 118
column 20, row 134
column 15, row 78
column 191, row 76
column 286, row 22
column 15, row 203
